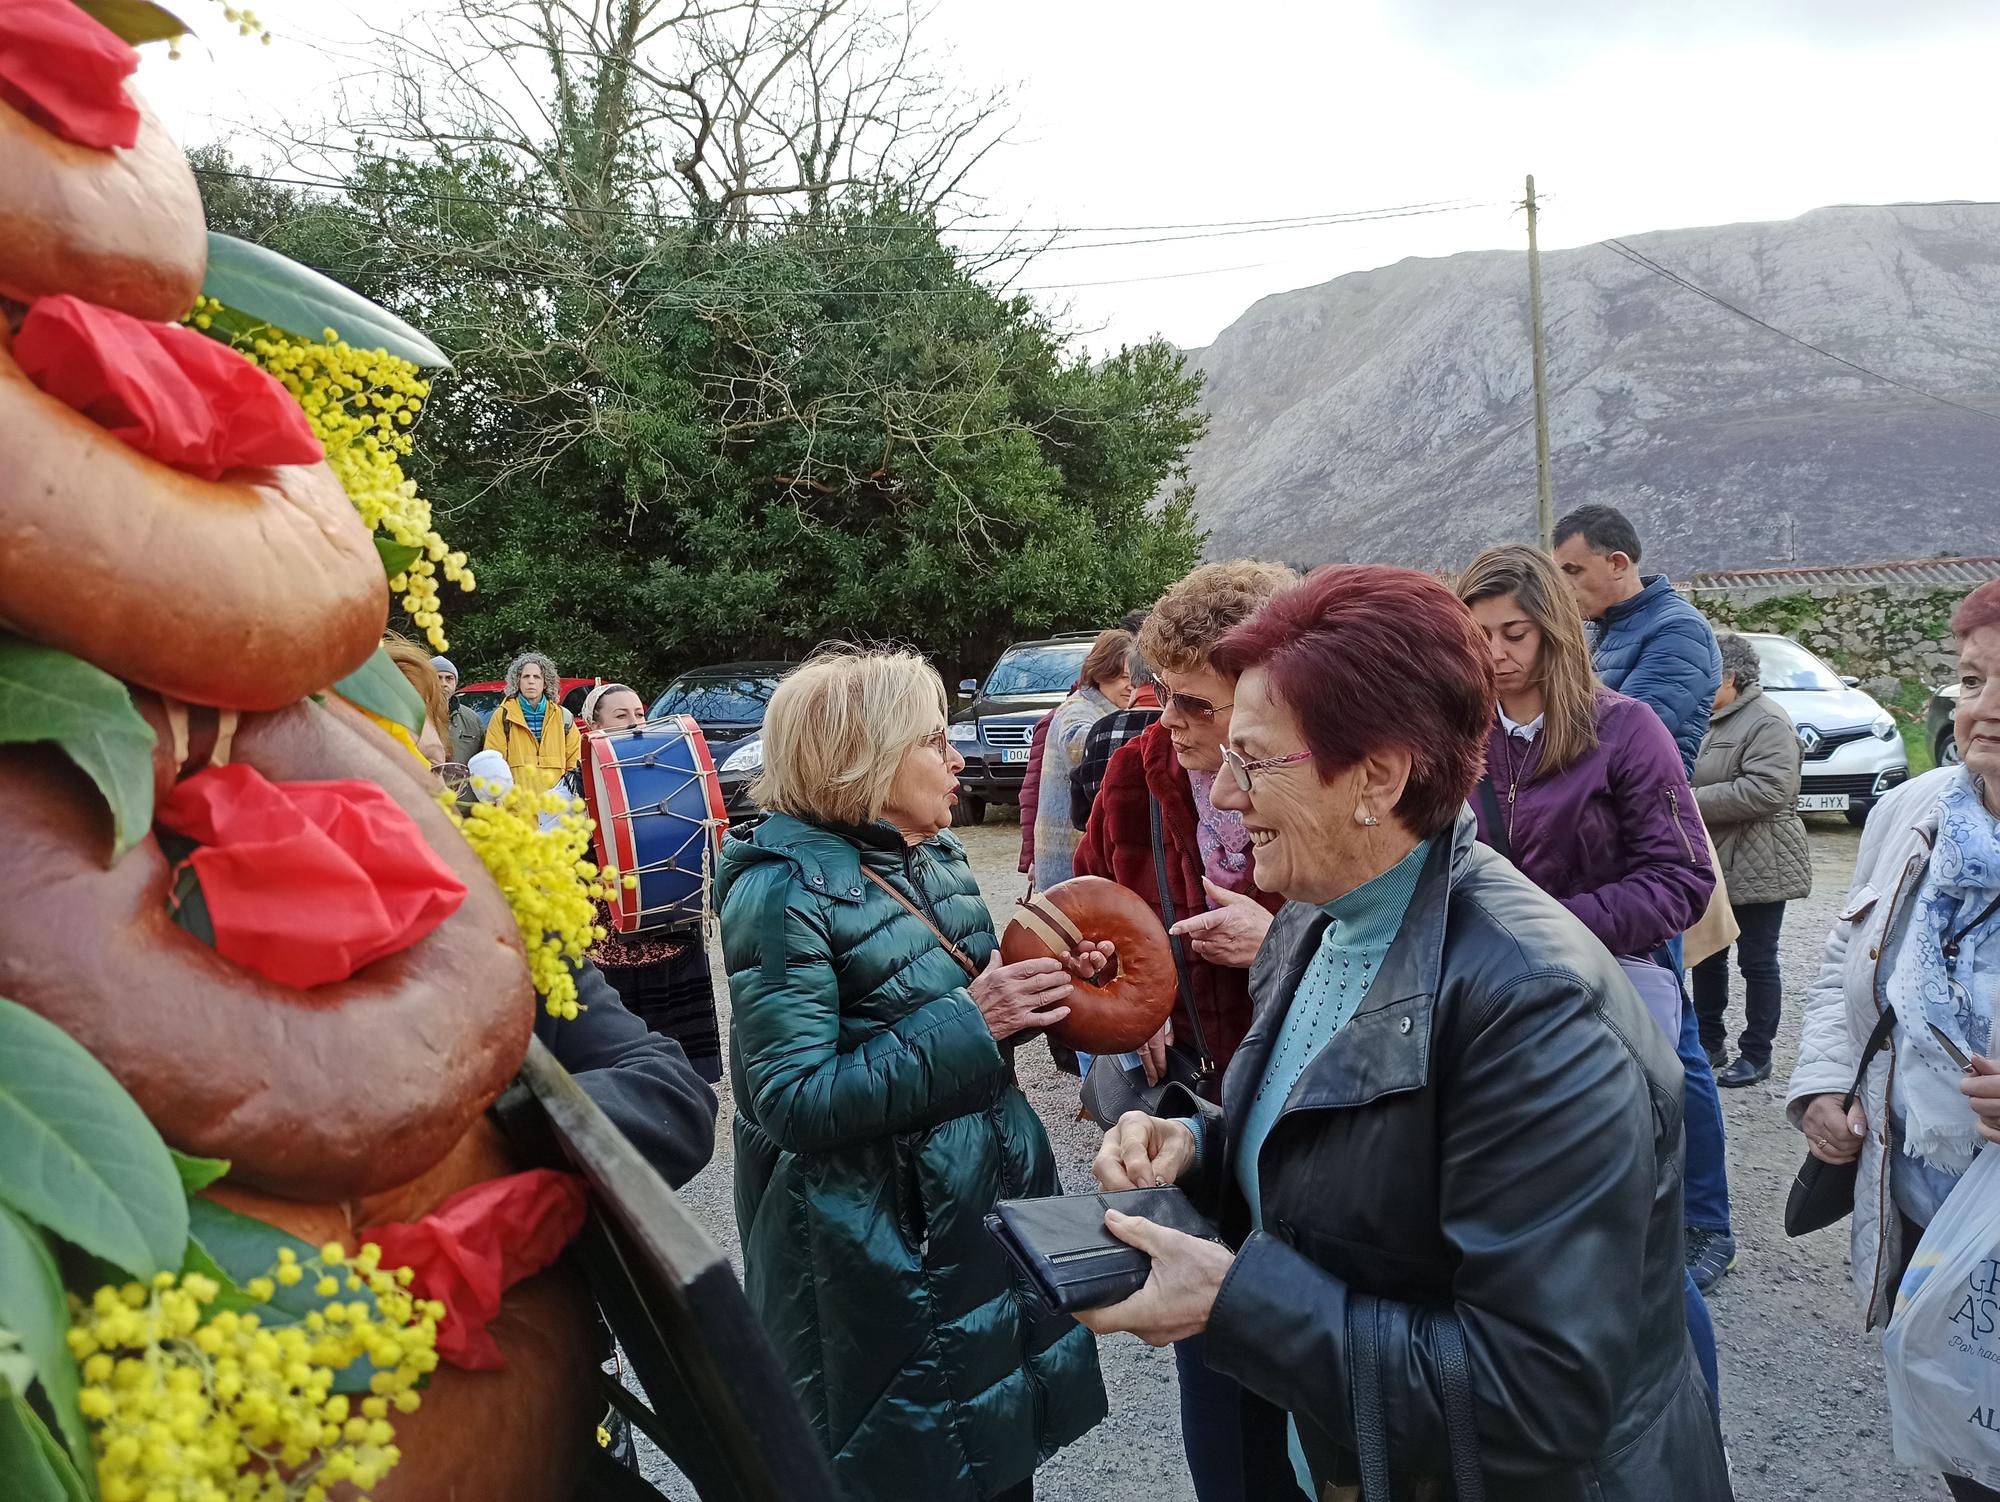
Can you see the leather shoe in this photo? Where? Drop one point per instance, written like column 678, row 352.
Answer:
column 1718, row 1059
column 1742, row 1072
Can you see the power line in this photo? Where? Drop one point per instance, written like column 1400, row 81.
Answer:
column 1220, row 227
column 687, row 290
column 1644, row 261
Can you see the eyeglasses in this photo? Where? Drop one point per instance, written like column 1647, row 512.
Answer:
column 1189, row 705
column 1241, row 769
column 936, row 741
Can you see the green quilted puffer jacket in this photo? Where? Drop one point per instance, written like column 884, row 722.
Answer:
column 877, row 1122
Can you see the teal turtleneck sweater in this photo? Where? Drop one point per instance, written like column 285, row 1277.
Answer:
column 1364, row 925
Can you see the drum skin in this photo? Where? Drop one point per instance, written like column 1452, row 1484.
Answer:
column 122, row 228
column 247, row 592
column 653, row 794
column 1124, row 1012
column 519, row 1434
column 330, row 1093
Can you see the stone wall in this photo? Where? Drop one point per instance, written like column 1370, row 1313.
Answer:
column 1888, row 637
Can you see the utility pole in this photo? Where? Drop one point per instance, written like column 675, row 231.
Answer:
column 1545, row 499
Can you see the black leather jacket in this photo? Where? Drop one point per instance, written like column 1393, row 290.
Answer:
column 1497, row 1131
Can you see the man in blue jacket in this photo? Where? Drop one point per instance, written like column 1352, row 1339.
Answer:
column 1653, row 646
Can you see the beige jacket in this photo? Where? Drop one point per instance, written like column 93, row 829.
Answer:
column 1746, row 784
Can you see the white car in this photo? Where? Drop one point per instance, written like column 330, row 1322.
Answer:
column 1852, row 751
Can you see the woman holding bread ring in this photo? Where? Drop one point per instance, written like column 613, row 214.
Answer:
column 877, row 1118
column 1452, row 1128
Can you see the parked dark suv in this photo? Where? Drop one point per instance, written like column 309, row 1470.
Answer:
column 992, row 732
column 728, row 701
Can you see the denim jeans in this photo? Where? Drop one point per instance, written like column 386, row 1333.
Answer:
column 1763, row 988
column 1211, row 1424
column 1705, row 1174
column 1701, row 1333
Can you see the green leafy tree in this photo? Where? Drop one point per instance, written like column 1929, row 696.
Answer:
column 723, row 387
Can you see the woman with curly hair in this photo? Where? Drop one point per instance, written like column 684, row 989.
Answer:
column 1155, row 818
column 535, row 733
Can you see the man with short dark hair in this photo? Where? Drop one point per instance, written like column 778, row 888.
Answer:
column 1653, row 646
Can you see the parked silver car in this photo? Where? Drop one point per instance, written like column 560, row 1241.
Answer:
column 1853, row 752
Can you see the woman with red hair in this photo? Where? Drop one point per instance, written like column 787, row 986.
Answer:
column 1447, row 1160
column 1899, row 972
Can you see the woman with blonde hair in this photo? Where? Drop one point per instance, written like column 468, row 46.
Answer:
column 877, row 1118
column 433, row 741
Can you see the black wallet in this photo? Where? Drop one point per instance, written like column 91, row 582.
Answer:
column 1070, row 1260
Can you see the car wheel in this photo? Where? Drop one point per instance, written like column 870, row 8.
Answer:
column 971, row 810
column 1857, row 813
column 1945, row 752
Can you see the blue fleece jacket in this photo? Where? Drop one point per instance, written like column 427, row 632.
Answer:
column 1660, row 650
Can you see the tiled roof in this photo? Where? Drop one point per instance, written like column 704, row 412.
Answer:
column 1934, row 573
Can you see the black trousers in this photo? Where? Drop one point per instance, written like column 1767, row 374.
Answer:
column 1763, row 987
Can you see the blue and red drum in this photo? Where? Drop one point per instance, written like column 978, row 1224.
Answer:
column 653, row 792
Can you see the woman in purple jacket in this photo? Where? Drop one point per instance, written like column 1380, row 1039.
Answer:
column 1584, row 789
column 1586, row 793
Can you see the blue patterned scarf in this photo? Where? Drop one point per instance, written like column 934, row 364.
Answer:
column 1964, row 877
column 534, row 714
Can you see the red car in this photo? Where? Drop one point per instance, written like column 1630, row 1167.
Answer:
column 484, row 698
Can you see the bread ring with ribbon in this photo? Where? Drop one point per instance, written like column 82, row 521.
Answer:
column 327, row 1093
column 115, row 226
column 1123, row 1012
column 247, row 592
column 545, row 1329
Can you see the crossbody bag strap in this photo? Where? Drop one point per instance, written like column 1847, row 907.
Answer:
column 1489, row 804
column 1461, row 1420
column 1365, row 1377
column 1202, row 1054
column 971, row 970
column 1877, row 1041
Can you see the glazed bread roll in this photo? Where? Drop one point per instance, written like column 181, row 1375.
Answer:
column 247, row 592
column 1124, row 1011
column 121, row 228
column 327, row 1094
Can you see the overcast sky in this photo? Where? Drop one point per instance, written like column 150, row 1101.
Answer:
column 1633, row 117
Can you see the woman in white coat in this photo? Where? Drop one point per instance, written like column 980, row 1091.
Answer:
column 1919, row 935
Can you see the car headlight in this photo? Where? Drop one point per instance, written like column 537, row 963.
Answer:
column 748, row 757
column 963, row 730
column 1884, row 726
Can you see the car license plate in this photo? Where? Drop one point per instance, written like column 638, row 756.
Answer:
column 1020, row 753
column 1822, row 803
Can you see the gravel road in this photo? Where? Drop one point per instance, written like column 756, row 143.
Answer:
column 1802, row 1389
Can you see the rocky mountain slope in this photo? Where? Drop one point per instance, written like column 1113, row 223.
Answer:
column 1387, row 414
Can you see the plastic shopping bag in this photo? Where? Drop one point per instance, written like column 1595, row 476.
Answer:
column 1942, row 1351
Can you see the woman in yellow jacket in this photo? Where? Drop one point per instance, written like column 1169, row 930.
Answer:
column 535, row 733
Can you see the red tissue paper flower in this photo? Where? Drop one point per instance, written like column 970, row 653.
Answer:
column 171, row 393
column 306, row 882
column 66, row 71
column 477, row 1245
